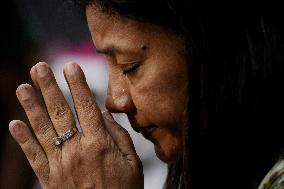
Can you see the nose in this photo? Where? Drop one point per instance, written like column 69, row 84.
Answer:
column 119, row 100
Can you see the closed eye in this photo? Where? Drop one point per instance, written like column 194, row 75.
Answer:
column 131, row 68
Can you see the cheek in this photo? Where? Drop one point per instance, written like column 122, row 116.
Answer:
column 161, row 93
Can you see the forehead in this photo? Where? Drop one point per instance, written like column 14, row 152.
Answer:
column 108, row 28
column 112, row 31
column 107, row 25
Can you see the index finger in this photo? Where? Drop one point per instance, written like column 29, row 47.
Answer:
column 88, row 112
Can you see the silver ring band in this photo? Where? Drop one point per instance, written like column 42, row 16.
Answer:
column 65, row 136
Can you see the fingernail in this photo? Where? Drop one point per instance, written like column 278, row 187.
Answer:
column 108, row 116
column 14, row 125
column 41, row 69
column 70, row 69
column 17, row 130
column 121, row 101
column 24, row 93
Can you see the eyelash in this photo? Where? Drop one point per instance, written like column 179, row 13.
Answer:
column 131, row 70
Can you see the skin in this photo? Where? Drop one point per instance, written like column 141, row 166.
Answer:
column 154, row 93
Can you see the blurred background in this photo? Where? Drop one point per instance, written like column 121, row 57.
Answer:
column 51, row 31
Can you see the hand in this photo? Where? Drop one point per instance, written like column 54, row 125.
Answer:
column 101, row 156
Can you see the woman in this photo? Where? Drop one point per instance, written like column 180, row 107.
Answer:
column 202, row 82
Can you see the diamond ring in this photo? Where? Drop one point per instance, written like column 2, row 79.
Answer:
column 65, row 136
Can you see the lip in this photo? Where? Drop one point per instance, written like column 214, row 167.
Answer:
column 147, row 132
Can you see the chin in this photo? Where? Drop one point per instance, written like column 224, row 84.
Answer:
column 166, row 154
column 167, row 143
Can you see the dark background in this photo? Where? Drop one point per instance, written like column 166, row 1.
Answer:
column 28, row 29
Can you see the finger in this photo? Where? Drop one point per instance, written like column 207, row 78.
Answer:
column 57, row 107
column 120, row 136
column 37, row 116
column 32, row 149
column 33, row 76
column 88, row 112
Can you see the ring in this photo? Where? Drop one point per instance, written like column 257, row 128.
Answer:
column 65, row 136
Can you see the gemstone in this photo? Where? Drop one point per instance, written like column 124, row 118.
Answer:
column 57, row 141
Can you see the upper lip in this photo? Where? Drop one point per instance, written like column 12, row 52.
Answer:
column 139, row 128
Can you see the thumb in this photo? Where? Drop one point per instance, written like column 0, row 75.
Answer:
column 120, row 135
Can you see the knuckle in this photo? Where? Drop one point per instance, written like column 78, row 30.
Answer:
column 123, row 131
column 106, row 144
column 30, row 105
column 87, row 105
column 60, row 110
column 43, row 129
column 98, row 130
column 26, row 143
column 100, row 147
column 137, row 164
column 78, row 82
column 36, row 156
column 47, row 83
column 32, row 152
column 126, row 138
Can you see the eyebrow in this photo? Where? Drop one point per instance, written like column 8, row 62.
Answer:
column 117, row 50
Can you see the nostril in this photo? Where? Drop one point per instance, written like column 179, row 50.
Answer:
column 109, row 104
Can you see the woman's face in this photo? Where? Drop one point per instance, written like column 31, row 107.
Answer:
column 147, row 77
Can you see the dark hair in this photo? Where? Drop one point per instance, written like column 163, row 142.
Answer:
column 235, row 61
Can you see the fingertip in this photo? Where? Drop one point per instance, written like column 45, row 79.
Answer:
column 108, row 116
column 33, row 76
column 23, row 86
column 17, row 129
column 13, row 124
column 70, row 68
column 72, row 72
column 70, row 63
column 23, row 91
column 41, row 64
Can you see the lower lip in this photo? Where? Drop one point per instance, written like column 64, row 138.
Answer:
column 148, row 132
